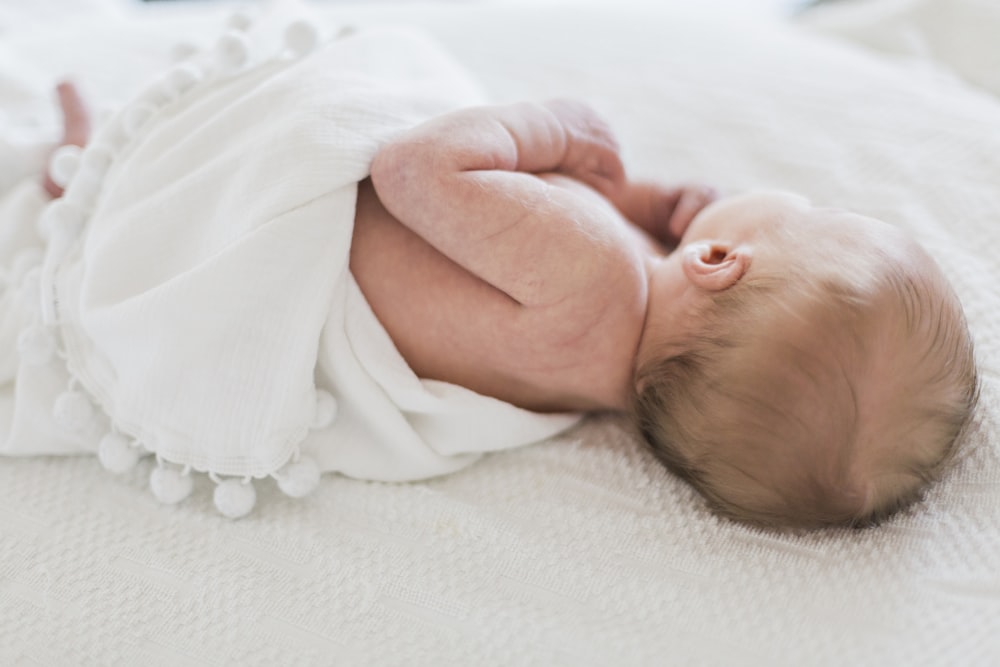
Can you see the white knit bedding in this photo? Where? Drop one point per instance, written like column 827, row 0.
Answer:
column 580, row 550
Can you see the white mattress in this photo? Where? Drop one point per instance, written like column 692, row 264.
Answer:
column 581, row 550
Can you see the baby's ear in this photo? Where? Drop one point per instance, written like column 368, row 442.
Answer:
column 715, row 265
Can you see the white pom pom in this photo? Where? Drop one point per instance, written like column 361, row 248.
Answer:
column 182, row 78
column 326, row 409
column 169, row 485
column 182, row 51
column 240, row 21
column 36, row 345
column 72, row 410
column 156, row 96
column 63, row 164
column 136, row 116
column 82, row 192
column 232, row 51
column 234, row 499
column 30, row 294
column 60, row 218
column 301, row 37
column 116, row 454
column 300, row 478
column 96, row 159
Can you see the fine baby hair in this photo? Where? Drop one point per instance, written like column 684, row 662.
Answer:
column 827, row 387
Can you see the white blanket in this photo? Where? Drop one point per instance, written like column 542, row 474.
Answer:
column 580, row 550
column 194, row 300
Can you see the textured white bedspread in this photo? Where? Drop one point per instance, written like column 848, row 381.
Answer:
column 580, row 550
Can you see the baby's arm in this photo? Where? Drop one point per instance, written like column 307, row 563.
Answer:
column 466, row 182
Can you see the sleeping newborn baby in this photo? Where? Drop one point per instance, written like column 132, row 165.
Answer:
column 798, row 365
column 386, row 286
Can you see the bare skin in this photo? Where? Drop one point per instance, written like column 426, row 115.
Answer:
column 504, row 249
column 76, row 127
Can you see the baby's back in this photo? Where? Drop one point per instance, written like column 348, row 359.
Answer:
column 452, row 326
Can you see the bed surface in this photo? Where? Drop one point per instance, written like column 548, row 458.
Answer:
column 579, row 550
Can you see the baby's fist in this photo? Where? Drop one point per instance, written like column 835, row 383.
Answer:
column 592, row 151
column 685, row 202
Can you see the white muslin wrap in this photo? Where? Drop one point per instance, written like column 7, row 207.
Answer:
column 195, row 301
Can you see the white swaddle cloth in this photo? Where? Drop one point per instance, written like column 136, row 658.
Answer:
column 195, row 301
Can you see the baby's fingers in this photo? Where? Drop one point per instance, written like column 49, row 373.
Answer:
column 693, row 199
column 592, row 152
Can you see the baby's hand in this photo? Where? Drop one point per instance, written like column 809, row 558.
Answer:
column 76, row 128
column 665, row 212
column 592, row 152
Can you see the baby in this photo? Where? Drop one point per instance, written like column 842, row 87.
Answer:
column 800, row 366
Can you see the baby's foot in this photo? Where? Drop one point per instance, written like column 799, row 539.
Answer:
column 76, row 128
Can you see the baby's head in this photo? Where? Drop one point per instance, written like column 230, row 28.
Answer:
column 802, row 366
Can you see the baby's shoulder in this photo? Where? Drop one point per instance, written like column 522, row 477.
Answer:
column 451, row 325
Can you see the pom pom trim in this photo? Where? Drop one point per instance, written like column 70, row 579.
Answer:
column 81, row 173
